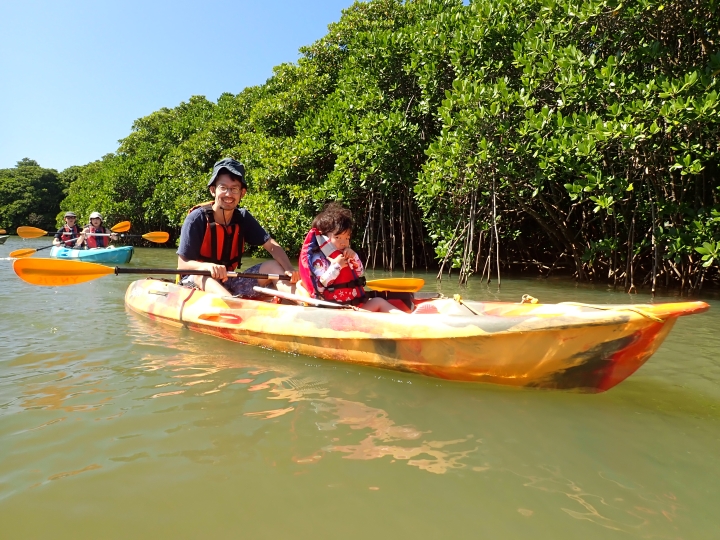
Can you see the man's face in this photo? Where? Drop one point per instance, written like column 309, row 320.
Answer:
column 70, row 221
column 227, row 192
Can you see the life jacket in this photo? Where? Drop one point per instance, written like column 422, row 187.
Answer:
column 221, row 244
column 93, row 241
column 347, row 279
column 69, row 233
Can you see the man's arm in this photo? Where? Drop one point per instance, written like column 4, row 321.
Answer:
column 191, row 238
column 218, row 271
column 278, row 253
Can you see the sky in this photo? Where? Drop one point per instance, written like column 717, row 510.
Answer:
column 75, row 74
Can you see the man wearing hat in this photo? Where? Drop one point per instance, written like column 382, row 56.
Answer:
column 68, row 233
column 214, row 234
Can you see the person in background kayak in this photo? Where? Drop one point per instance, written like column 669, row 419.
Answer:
column 330, row 269
column 88, row 237
column 214, row 234
column 68, row 233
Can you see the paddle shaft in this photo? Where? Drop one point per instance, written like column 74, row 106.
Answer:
column 177, row 272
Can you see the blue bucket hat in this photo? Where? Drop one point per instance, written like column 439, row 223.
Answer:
column 231, row 166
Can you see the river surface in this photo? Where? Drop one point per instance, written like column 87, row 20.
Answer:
column 114, row 426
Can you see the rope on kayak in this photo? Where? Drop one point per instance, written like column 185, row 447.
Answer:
column 610, row 308
column 459, row 300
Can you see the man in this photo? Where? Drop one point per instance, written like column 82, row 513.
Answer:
column 213, row 237
column 68, row 233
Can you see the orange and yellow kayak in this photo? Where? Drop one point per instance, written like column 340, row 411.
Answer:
column 563, row 346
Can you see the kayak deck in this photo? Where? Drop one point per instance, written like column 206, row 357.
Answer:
column 565, row 346
column 109, row 255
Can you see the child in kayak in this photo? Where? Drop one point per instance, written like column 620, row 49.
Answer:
column 94, row 234
column 330, row 269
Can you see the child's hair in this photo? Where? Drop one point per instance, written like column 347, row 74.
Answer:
column 333, row 219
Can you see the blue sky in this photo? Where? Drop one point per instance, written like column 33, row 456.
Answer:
column 74, row 75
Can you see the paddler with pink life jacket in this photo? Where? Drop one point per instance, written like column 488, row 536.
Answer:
column 214, row 235
column 330, row 270
column 95, row 235
column 68, row 234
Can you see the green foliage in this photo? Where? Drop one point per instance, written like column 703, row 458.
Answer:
column 554, row 133
column 596, row 122
column 29, row 195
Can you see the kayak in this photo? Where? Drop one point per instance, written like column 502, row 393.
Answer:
column 582, row 347
column 108, row 255
column 3, row 238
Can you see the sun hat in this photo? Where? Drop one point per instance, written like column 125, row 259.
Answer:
column 96, row 215
column 230, row 165
column 69, row 214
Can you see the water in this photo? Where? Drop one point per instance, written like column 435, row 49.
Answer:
column 113, row 426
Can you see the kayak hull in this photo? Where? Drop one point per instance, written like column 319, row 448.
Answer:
column 2, row 239
column 559, row 346
column 110, row 255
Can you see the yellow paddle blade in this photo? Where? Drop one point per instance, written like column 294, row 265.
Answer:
column 158, row 237
column 123, row 226
column 20, row 253
column 396, row 284
column 2, row 231
column 57, row 272
column 30, row 232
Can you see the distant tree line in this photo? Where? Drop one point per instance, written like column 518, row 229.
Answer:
column 550, row 136
column 31, row 195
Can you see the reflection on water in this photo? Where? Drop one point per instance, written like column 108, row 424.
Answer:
column 634, row 511
column 382, row 432
column 107, row 417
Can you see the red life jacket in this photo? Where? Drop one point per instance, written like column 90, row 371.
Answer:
column 221, row 244
column 93, row 241
column 337, row 290
column 69, row 233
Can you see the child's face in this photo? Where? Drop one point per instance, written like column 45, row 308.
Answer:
column 340, row 240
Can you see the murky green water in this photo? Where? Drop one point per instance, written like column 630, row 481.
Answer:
column 113, row 426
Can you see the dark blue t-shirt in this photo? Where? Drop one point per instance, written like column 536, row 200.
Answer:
column 193, row 233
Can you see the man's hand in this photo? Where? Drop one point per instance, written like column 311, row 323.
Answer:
column 217, row 271
column 294, row 276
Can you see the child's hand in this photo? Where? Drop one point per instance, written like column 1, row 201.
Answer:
column 340, row 259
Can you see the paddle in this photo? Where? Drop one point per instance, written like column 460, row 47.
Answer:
column 59, row 272
column 305, row 299
column 34, row 232
column 2, row 231
column 158, row 237
column 396, row 284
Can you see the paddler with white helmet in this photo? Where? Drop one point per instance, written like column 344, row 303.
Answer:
column 94, row 235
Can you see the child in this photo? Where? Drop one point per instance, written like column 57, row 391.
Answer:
column 329, row 269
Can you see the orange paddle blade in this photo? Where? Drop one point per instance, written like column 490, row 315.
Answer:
column 396, row 284
column 20, row 253
column 30, row 232
column 2, row 231
column 123, row 226
column 158, row 237
column 57, row 273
